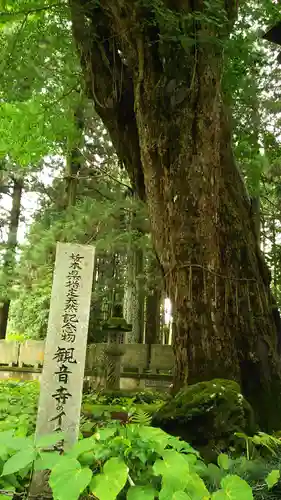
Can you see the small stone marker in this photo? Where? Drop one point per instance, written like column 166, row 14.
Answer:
column 158, row 383
column 66, row 343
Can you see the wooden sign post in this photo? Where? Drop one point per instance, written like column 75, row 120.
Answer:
column 66, row 343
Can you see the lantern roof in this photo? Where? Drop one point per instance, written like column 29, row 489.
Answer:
column 117, row 325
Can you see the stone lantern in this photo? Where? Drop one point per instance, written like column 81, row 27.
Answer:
column 115, row 327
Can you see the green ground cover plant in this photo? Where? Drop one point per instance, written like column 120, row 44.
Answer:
column 133, row 462
column 19, row 399
column 18, row 406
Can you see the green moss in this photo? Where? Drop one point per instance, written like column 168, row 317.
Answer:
column 207, row 414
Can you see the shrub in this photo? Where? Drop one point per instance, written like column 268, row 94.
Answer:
column 18, row 406
column 134, row 462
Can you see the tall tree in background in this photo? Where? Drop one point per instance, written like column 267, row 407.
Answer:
column 16, row 185
column 154, row 70
column 96, row 218
column 74, row 159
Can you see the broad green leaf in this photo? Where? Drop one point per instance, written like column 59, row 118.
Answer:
column 65, row 464
column 154, row 434
column 10, row 481
column 167, row 492
column 200, row 468
column 87, row 427
column 172, row 482
column 215, row 474
column 196, row 487
column 19, row 461
column 47, row 460
column 68, row 480
column 190, row 459
column 87, row 458
column 107, row 486
column 223, row 461
column 4, row 454
column 173, row 463
column 23, row 473
column 173, row 458
column 183, row 446
column 49, row 440
column 6, row 437
column 181, row 495
column 233, row 488
column 237, row 486
column 82, row 446
column 141, row 493
column 272, row 478
column 120, row 441
column 160, row 468
column 220, row 495
column 104, row 434
column 21, row 443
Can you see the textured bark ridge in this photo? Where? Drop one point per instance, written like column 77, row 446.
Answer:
column 154, row 70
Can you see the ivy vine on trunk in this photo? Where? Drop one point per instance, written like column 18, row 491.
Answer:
column 154, row 69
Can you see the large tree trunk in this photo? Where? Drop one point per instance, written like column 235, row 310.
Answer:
column 159, row 94
column 256, row 211
column 9, row 257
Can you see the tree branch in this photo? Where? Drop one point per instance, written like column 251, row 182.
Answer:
column 109, row 83
column 27, row 12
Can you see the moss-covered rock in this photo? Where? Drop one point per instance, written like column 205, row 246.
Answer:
column 207, row 415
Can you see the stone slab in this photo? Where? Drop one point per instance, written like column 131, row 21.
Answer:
column 32, row 353
column 9, row 352
column 65, row 349
column 157, row 383
column 162, row 357
column 135, row 356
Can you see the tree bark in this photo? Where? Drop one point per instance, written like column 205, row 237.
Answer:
column 157, row 87
column 152, row 321
column 9, row 257
column 74, row 158
column 256, row 210
column 152, row 317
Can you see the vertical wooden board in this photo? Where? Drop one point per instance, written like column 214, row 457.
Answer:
column 66, row 343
